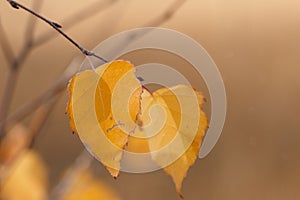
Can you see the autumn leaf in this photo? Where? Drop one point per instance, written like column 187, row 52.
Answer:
column 178, row 169
column 26, row 179
column 175, row 138
column 91, row 108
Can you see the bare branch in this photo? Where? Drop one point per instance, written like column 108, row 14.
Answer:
column 5, row 45
column 57, row 27
column 81, row 15
column 60, row 85
column 13, row 73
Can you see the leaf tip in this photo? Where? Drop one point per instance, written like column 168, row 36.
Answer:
column 180, row 195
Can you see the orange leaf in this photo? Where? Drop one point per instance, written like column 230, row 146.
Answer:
column 99, row 120
column 175, row 143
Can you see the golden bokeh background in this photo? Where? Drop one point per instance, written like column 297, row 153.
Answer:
column 256, row 46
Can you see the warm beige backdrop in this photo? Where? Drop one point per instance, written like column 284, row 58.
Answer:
column 256, row 45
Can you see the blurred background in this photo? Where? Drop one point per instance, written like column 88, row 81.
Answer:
column 255, row 45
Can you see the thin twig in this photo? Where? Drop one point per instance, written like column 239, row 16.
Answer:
column 5, row 45
column 57, row 27
column 30, row 43
column 31, row 23
column 81, row 15
column 60, row 85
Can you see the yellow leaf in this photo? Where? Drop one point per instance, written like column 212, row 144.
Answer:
column 102, row 109
column 27, row 179
column 179, row 168
column 86, row 186
column 175, row 143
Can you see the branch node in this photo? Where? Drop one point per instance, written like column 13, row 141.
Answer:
column 13, row 4
column 86, row 52
column 56, row 24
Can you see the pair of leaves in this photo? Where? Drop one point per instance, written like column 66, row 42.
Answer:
column 111, row 111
